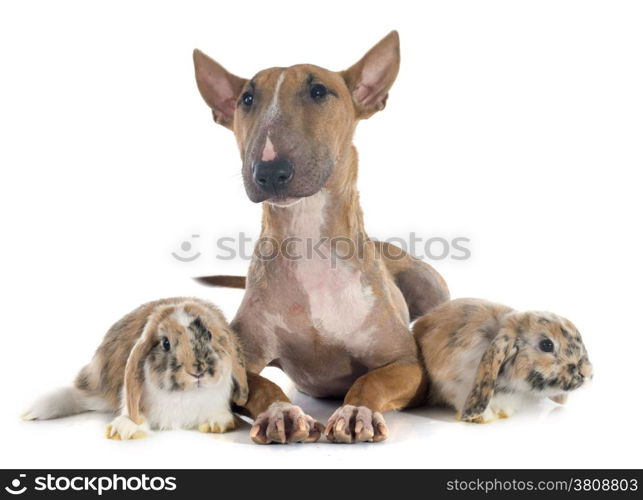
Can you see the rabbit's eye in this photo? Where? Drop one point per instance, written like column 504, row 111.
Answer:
column 166, row 344
column 546, row 345
column 247, row 99
column 209, row 335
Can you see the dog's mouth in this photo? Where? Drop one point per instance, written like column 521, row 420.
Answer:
column 284, row 181
column 284, row 202
column 285, row 197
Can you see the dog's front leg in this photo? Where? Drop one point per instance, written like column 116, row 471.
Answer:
column 276, row 419
column 398, row 385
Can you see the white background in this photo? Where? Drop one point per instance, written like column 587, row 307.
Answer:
column 515, row 124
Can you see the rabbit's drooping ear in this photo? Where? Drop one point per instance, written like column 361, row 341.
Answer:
column 134, row 379
column 240, row 389
column 134, row 373
column 501, row 348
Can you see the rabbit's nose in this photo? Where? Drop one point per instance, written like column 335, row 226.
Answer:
column 587, row 371
column 196, row 375
column 572, row 368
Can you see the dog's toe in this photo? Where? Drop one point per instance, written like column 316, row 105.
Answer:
column 285, row 423
column 356, row 424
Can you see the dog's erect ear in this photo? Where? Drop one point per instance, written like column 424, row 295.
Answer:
column 370, row 79
column 219, row 88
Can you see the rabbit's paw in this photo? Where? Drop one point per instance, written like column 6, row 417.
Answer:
column 485, row 417
column 219, row 424
column 123, row 428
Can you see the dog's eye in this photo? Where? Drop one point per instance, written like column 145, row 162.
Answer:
column 166, row 344
column 546, row 345
column 318, row 91
column 247, row 98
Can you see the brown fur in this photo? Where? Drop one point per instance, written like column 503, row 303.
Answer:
column 118, row 362
column 410, row 274
column 473, row 348
column 291, row 315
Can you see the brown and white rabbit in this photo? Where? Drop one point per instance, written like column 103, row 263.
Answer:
column 172, row 363
column 486, row 360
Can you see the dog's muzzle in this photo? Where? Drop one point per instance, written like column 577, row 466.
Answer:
column 274, row 176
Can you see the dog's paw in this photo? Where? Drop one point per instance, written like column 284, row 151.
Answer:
column 356, row 424
column 123, row 428
column 285, row 423
column 220, row 424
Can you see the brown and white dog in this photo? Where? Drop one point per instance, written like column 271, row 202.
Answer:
column 335, row 320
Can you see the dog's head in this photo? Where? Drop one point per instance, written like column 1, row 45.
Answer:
column 294, row 125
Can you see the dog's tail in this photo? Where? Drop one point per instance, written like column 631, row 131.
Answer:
column 222, row 281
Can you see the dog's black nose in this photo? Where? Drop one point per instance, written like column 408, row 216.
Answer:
column 273, row 176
